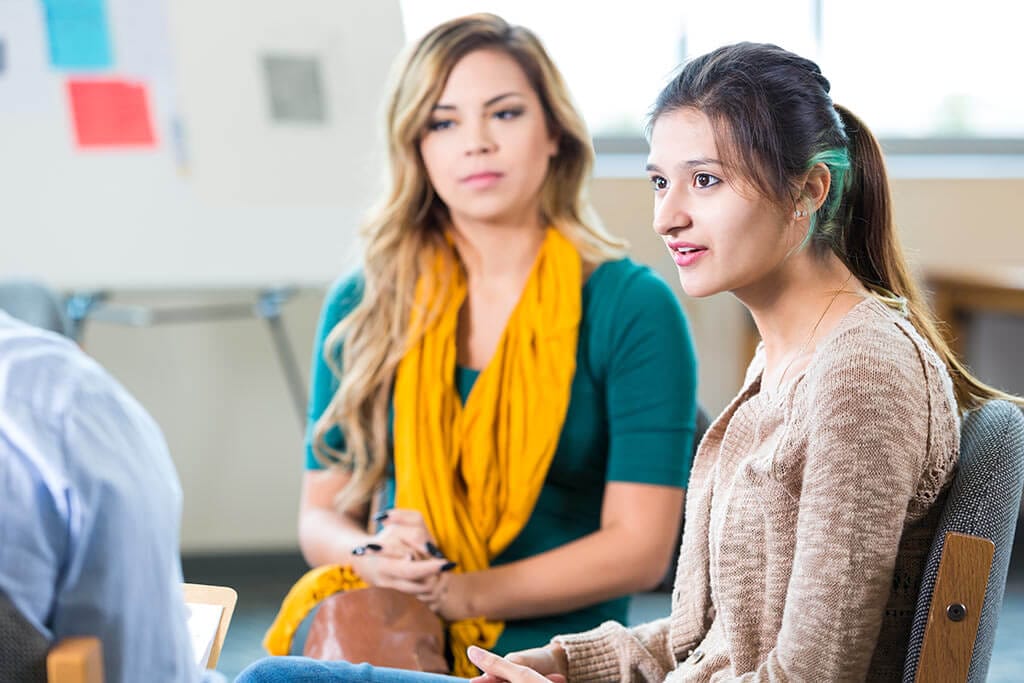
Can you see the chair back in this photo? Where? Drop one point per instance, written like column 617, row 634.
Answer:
column 978, row 523
column 22, row 648
column 27, row 656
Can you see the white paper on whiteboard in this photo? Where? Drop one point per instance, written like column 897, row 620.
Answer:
column 28, row 85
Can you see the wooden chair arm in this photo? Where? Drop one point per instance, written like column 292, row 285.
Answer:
column 956, row 609
column 75, row 660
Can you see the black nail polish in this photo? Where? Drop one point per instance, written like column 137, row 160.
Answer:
column 380, row 516
column 359, row 550
column 374, row 547
column 434, row 551
column 448, row 566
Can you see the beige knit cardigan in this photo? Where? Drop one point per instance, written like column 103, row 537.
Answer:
column 808, row 517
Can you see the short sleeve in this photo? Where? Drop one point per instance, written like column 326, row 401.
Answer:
column 651, row 385
column 342, row 298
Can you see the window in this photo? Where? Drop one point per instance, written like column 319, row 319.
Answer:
column 913, row 69
column 614, row 58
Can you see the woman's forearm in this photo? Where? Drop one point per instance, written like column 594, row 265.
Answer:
column 603, row 565
column 326, row 537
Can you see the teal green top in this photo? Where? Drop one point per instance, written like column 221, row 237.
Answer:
column 630, row 418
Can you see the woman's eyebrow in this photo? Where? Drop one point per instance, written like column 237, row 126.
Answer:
column 488, row 103
column 685, row 165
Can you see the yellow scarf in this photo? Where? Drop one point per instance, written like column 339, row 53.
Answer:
column 473, row 471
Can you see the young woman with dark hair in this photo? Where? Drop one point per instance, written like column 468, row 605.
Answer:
column 815, row 495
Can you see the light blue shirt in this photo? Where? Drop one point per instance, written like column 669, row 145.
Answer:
column 90, row 508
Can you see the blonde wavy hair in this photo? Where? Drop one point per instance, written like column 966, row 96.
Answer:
column 406, row 229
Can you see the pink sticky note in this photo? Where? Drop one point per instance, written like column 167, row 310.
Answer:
column 110, row 113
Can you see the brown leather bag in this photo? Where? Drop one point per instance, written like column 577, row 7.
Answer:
column 380, row 626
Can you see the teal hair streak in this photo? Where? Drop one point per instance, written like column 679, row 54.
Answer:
column 838, row 162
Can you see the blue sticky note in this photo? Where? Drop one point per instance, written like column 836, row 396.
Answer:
column 79, row 34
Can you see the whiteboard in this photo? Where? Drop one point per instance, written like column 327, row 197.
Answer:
column 228, row 197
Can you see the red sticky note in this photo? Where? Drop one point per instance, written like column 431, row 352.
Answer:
column 110, row 113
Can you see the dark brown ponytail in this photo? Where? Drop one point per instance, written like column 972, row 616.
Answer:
column 871, row 250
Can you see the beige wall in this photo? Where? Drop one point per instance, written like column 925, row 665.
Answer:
column 219, row 394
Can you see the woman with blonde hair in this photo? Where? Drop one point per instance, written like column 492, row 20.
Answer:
column 524, row 393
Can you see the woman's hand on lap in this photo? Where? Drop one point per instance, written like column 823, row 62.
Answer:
column 502, row 669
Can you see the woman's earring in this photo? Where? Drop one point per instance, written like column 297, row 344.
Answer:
column 799, row 213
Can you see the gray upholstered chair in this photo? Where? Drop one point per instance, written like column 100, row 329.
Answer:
column 22, row 648
column 965, row 575
column 35, row 304
column 26, row 655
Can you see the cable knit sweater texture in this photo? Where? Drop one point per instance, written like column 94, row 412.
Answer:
column 808, row 519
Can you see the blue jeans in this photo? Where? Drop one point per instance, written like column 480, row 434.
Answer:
column 305, row 670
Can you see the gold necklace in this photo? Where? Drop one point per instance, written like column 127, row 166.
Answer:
column 803, row 347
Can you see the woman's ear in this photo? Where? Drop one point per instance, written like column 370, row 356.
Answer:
column 815, row 188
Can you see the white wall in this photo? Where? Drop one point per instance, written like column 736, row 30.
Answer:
column 218, row 392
